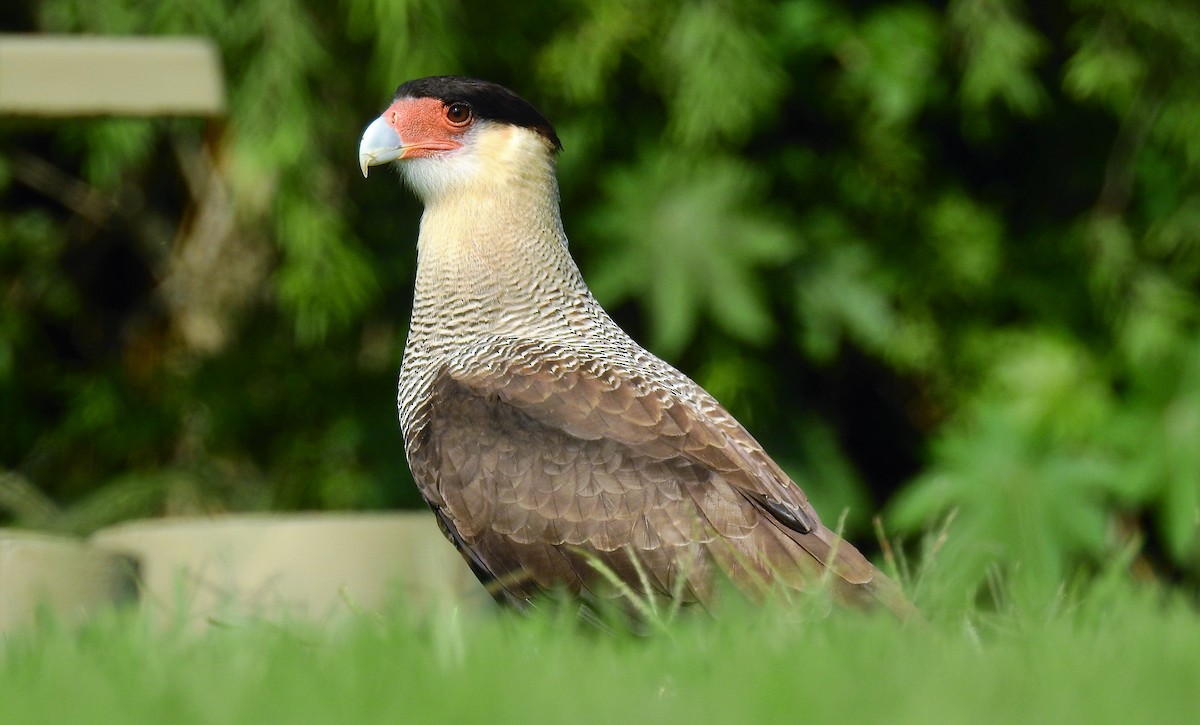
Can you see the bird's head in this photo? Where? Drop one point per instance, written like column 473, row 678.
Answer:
column 449, row 132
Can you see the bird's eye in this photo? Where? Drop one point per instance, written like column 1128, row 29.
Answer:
column 458, row 113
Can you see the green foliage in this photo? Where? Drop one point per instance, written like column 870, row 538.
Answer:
column 718, row 71
column 999, row 55
column 949, row 251
column 1032, row 487
column 712, row 240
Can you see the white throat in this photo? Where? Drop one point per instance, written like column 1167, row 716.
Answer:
column 494, row 158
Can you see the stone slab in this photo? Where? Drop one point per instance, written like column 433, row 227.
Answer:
column 292, row 566
column 59, row 575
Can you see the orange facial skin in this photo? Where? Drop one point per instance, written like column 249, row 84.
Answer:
column 428, row 125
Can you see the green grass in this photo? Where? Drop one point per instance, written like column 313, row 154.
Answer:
column 1117, row 657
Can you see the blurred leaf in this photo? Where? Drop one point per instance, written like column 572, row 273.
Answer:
column 1179, row 123
column 1180, row 510
column 840, row 296
column 326, row 283
column 1025, row 470
column 116, row 145
column 999, row 52
column 128, row 497
column 399, row 31
column 804, row 25
column 688, row 243
column 721, row 76
column 27, row 504
column 892, row 61
column 1105, row 68
column 966, row 240
column 582, row 57
column 1020, row 507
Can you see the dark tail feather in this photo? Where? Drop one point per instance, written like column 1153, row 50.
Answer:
column 860, row 581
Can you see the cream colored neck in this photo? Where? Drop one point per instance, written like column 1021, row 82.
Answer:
column 487, row 228
column 491, row 252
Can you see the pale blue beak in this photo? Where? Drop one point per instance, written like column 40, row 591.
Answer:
column 380, row 144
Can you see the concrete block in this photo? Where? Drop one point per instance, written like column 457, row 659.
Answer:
column 311, row 566
column 60, row 575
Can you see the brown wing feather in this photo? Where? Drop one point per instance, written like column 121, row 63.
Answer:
column 539, row 457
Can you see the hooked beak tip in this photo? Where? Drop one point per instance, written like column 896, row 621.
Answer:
column 380, row 144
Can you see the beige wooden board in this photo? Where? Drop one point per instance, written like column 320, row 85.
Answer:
column 56, row 75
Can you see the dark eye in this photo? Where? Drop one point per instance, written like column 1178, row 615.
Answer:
column 458, row 113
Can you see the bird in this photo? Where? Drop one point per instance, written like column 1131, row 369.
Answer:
column 556, row 453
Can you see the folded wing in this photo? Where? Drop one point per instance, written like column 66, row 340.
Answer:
column 537, row 459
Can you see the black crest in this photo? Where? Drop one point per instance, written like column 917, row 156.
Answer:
column 487, row 100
